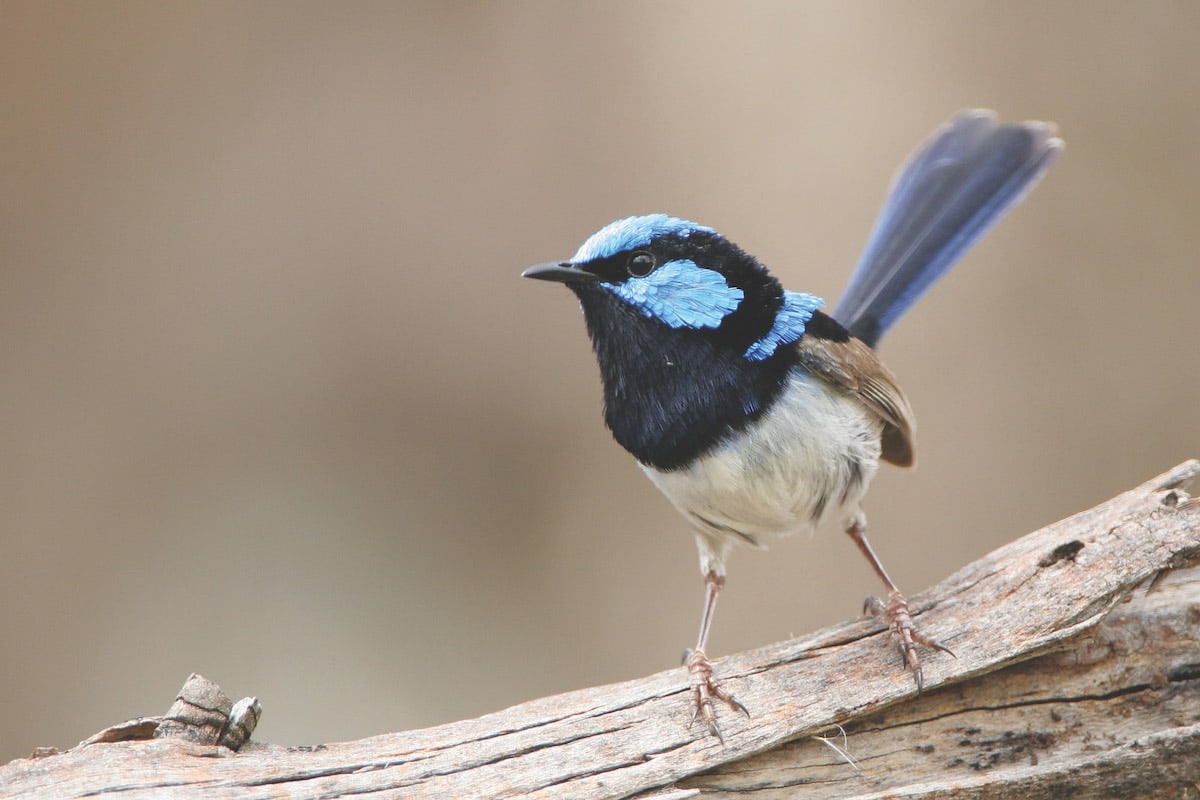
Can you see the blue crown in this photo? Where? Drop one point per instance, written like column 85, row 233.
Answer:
column 633, row 232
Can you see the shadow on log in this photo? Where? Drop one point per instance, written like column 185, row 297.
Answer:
column 1078, row 674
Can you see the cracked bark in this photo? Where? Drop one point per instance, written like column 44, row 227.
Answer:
column 1078, row 674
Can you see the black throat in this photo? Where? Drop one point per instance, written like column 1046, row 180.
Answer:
column 670, row 396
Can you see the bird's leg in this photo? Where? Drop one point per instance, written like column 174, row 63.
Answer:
column 700, row 669
column 895, row 610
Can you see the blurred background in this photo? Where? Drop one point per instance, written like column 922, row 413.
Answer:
column 277, row 408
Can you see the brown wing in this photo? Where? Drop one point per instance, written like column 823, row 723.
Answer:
column 854, row 366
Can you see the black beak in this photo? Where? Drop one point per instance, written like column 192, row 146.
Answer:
column 562, row 272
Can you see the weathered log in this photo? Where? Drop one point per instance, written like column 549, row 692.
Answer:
column 1077, row 672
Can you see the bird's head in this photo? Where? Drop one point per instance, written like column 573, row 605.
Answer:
column 688, row 329
column 681, row 277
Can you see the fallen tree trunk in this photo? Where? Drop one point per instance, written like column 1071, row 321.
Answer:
column 1078, row 672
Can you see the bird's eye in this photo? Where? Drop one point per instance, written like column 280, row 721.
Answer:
column 641, row 264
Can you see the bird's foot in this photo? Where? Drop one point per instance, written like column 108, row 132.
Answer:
column 904, row 632
column 704, row 689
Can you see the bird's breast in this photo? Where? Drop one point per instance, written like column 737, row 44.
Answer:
column 810, row 455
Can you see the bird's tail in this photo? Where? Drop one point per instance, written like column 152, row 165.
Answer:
column 949, row 194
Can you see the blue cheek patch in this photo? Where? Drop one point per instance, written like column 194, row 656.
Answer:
column 681, row 294
column 790, row 322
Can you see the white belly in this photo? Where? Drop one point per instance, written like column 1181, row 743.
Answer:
column 811, row 456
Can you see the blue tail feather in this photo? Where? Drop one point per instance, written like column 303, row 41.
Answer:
column 948, row 195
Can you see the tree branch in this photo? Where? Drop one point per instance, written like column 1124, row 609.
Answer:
column 1051, row 689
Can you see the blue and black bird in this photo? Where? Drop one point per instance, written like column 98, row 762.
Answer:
column 752, row 410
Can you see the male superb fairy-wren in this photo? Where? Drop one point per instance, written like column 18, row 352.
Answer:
column 752, row 410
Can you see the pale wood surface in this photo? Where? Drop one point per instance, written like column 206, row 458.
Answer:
column 1109, row 705
column 1113, row 713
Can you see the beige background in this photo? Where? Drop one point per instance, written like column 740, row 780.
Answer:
column 277, row 408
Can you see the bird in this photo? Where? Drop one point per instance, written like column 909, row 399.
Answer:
column 755, row 412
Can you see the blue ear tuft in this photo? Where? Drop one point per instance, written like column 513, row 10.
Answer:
column 681, row 294
column 631, row 233
column 790, row 322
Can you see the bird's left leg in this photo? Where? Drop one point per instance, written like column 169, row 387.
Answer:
column 895, row 610
column 700, row 669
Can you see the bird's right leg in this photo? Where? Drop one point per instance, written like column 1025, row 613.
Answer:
column 700, row 670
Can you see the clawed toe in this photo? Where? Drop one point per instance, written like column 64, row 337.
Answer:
column 704, row 689
column 905, row 633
